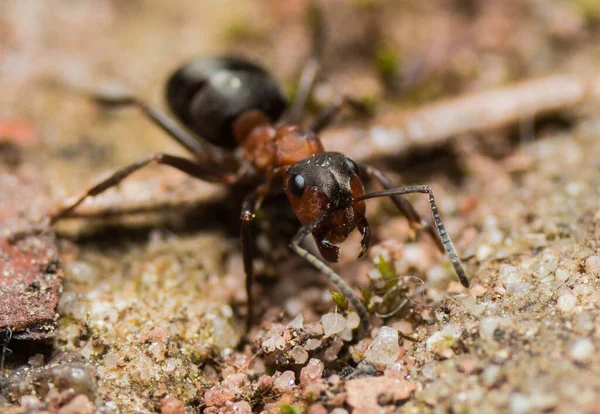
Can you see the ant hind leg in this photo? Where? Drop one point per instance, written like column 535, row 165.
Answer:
column 182, row 164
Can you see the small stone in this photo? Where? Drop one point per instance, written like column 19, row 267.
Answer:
column 264, row 381
column 483, row 252
column 78, row 405
column 333, row 349
column 592, row 265
column 299, row 354
column 30, row 402
column 235, row 381
column 286, row 381
column 315, row 389
column 218, row 397
column 364, row 392
column 384, row 349
column 242, row 407
column 154, row 334
column 297, row 322
column 36, row 361
column 333, row 323
column 519, row 403
column 353, row 320
column 334, row 380
column 477, row 291
column 455, row 287
column 501, row 356
column 513, row 280
column 346, row 335
column 566, row 302
column 312, row 344
column 442, row 342
column 314, row 329
column 311, row 372
column 468, row 365
column 171, row 405
column 581, row 350
column 561, row 275
column 317, row 409
column 395, row 370
column 491, row 375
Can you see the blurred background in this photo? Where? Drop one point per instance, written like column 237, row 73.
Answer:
column 157, row 313
column 386, row 52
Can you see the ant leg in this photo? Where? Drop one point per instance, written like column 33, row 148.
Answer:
column 328, row 115
column 312, row 65
column 189, row 167
column 365, row 231
column 447, row 243
column 307, row 79
column 320, row 265
column 203, row 151
column 404, row 205
column 252, row 202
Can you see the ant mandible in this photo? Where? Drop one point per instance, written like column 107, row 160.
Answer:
column 232, row 104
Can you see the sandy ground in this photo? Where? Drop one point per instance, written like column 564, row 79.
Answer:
column 152, row 306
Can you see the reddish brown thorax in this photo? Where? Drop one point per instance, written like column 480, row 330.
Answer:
column 270, row 148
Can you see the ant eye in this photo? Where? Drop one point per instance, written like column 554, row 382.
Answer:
column 353, row 166
column 297, row 185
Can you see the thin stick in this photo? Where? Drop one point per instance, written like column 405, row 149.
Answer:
column 433, row 124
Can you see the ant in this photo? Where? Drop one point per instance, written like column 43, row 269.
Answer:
column 232, row 104
column 237, row 130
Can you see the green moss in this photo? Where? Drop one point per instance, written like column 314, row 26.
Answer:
column 589, row 9
column 240, row 31
column 340, row 300
column 387, row 62
column 290, row 409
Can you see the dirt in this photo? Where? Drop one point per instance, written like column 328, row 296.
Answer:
column 152, row 307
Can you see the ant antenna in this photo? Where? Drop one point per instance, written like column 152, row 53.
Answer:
column 448, row 246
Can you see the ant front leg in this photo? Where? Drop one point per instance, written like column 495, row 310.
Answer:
column 403, row 205
column 182, row 164
column 252, row 202
column 365, row 231
column 199, row 148
column 321, row 266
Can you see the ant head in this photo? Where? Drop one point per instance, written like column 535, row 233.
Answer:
column 210, row 93
column 327, row 181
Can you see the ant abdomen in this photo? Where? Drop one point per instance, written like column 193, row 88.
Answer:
column 209, row 93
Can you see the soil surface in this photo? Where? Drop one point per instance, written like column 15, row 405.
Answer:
column 152, row 305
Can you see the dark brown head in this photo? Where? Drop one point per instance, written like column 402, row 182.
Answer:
column 328, row 181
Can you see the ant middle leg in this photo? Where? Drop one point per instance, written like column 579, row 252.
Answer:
column 185, row 165
column 404, row 205
column 311, row 68
column 251, row 203
column 327, row 116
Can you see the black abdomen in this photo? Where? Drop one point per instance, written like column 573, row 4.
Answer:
column 209, row 93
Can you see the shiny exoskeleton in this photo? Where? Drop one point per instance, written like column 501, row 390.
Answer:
column 236, row 130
